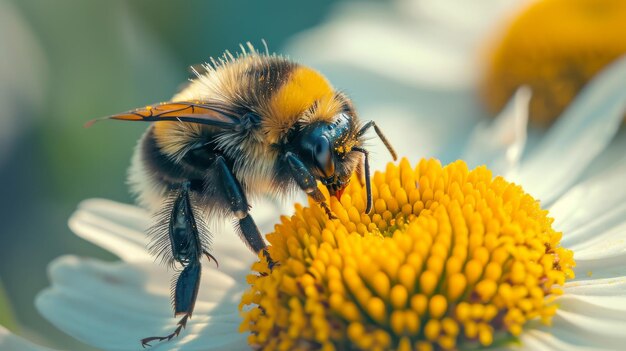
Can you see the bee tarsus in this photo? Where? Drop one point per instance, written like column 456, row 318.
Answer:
column 328, row 211
column 145, row 342
column 270, row 262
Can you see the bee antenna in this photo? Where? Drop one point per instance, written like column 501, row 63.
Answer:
column 380, row 134
column 368, row 181
column 88, row 124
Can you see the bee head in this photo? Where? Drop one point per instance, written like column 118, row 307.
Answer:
column 326, row 148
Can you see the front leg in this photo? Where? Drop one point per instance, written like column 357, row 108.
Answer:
column 307, row 182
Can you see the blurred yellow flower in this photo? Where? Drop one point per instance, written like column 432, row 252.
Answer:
column 555, row 47
column 448, row 258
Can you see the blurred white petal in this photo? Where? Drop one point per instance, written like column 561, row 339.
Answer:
column 432, row 44
column 472, row 21
column 116, row 227
column 11, row 342
column 499, row 144
column 387, row 50
column 577, row 137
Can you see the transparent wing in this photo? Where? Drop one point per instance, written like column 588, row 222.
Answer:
column 213, row 114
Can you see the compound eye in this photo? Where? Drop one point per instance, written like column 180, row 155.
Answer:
column 323, row 156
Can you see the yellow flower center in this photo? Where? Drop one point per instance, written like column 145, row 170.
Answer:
column 447, row 258
column 555, row 47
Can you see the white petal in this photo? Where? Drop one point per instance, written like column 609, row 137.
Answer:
column 591, row 316
column 590, row 328
column 577, row 137
column 600, row 268
column 116, row 227
column 587, row 330
column 591, row 206
column 604, row 245
column 499, row 144
column 11, row 342
column 598, row 286
column 612, row 155
column 603, row 237
column 113, row 305
column 602, row 223
column 607, row 306
column 120, row 228
column 540, row 340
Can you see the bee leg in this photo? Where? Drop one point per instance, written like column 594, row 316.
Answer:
column 307, row 182
column 236, row 198
column 186, row 248
column 185, row 294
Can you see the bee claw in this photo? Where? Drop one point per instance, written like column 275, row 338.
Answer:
column 211, row 258
column 181, row 325
column 270, row 262
column 146, row 341
column 328, row 211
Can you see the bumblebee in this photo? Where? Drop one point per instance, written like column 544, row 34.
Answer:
column 247, row 125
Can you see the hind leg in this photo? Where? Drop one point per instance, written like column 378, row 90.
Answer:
column 186, row 249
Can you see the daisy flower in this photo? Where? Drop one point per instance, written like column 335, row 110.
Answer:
column 450, row 257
